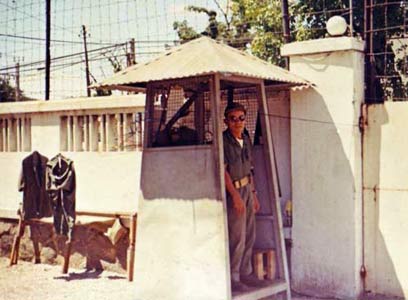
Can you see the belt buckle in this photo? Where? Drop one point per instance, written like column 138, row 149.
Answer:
column 240, row 182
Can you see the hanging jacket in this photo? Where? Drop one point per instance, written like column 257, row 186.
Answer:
column 61, row 191
column 36, row 203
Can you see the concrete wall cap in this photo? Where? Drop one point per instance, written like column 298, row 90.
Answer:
column 109, row 102
column 323, row 46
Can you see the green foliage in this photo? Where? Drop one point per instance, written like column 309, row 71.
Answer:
column 256, row 26
column 259, row 24
column 185, row 32
column 7, row 92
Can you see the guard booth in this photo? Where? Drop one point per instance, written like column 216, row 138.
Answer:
column 182, row 233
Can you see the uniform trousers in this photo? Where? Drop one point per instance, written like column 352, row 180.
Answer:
column 241, row 232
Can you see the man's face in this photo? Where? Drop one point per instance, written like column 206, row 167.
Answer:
column 236, row 122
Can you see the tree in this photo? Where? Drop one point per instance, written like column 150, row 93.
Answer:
column 256, row 26
column 259, row 24
column 7, row 92
column 253, row 25
column 214, row 29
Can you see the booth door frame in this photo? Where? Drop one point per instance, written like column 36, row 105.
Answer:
column 215, row 82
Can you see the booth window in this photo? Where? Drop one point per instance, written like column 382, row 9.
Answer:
column 180, row 115
column 102, row 132
column 180, row 112
column 15, row 134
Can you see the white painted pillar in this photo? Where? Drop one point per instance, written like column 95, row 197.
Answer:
column 18, row 132
column 1, row 135
column 86, row 119
column 27, row 135
column 94, row 128
column 102, row 129
column 70, row 133
column 326, row 166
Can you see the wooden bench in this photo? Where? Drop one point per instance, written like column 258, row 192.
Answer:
column 84, row 218
column 264, row 261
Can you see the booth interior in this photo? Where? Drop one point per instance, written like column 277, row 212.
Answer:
column 183, row 155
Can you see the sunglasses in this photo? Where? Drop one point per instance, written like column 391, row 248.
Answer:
column 235, row 119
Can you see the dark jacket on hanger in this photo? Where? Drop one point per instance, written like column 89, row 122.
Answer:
column 36, row 203
column 61, row 190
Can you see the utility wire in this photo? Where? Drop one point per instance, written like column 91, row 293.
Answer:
column 63, row 57
column 78, row 42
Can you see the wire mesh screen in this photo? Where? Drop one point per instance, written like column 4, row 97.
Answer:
column 181, row 113
column 248, row 97
column 387, row 50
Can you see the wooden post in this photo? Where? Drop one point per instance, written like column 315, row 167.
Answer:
column 36, row 246
column 47, row 48
column 18, row 91
column 218, row 149
column 270, row 264
column 88, row 80
column 258, row 265
column 131, row 249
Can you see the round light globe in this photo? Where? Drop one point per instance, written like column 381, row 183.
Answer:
column 336, row 26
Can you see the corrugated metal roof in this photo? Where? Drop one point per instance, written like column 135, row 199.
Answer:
column 200, row 57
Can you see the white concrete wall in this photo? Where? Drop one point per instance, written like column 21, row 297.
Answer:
column 181, row 242
column 106, row 181
column 386, row 199
column 326, row 167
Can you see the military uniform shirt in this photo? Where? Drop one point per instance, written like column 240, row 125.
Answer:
column 238, row 159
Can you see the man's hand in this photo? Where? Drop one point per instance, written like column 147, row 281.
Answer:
column 238, row 204
column 255, row 202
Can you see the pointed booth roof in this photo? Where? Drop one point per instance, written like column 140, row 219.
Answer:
column 202, row 56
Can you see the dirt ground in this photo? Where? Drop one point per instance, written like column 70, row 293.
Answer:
column 31, row 281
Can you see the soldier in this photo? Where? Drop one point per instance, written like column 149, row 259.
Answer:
column 242, row 200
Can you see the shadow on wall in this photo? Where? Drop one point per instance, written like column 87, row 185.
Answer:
column 326, row 184
column 91, row 249
column 384, row 237
column 179, row 173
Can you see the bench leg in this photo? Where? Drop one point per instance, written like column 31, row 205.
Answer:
column 131, row 249
column 16, row 243
column 34, row 233
column 66, row 258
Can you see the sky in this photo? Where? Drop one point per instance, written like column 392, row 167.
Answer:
column 22, row 38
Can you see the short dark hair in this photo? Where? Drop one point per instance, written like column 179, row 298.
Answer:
column 232, row 107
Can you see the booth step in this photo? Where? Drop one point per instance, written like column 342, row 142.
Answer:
column 274, row 288
column 264, row 217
